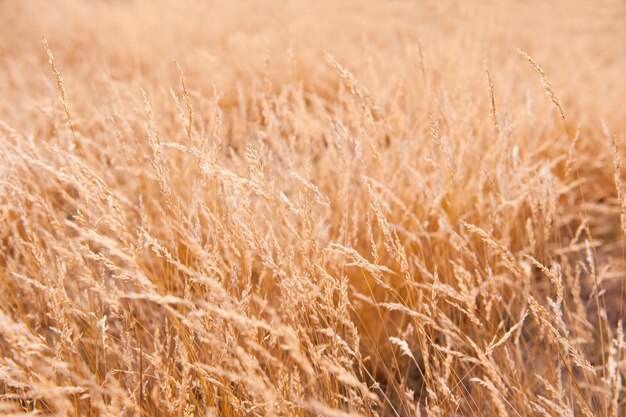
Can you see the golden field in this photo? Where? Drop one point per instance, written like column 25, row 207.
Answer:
column 332, row 208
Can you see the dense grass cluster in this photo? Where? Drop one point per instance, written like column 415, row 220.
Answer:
column 333, row 208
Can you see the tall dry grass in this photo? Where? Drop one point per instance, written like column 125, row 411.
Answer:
column 390, row 208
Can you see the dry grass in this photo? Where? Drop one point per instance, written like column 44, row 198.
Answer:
column 336, row 208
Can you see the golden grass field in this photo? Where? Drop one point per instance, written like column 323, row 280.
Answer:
column 331, row 208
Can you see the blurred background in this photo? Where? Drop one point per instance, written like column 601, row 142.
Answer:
column 580, row 44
